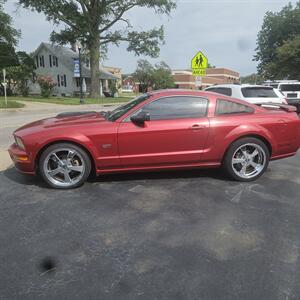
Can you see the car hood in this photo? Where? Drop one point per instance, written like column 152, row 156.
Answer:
column 62, row 121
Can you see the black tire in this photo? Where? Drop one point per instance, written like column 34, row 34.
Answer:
column 232, row 150
column 81, row 155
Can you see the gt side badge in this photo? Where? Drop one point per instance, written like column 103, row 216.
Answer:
column 106, row 146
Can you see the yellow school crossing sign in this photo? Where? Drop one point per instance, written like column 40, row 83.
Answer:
column 199, row 64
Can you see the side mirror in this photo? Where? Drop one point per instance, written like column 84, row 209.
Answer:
column 140, row 118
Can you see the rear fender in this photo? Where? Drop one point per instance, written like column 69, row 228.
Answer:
column 249, row 131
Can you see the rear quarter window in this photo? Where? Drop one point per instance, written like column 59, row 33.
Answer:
column 226, row 107
column 222, row 91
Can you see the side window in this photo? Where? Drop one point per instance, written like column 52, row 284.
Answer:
column 221, row 90
column 181, row 107
column 226, row 107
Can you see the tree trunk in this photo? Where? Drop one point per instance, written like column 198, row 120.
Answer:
column 94, row 60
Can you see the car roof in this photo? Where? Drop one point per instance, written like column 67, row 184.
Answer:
column 293, row 83
column 206, row 94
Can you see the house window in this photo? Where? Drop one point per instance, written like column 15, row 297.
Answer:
column 54, row 61
column 50, row 60
column 37, row 61
column 63, row 80
column 78, row 82
column 42, row 62
column 58, row 80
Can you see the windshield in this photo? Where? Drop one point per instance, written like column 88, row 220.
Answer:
column 123, row 109
column 290, row 87
column 259, row 92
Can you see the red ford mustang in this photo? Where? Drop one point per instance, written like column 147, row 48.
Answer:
column 167, row 129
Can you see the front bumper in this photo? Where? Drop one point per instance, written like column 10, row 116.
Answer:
column 21, row 160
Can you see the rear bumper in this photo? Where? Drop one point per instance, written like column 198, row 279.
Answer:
column 21, row 160
column 295, row 102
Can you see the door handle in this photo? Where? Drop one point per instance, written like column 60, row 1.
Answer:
column 197, row 127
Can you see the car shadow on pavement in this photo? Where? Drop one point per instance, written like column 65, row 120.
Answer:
column 218, row 174
column 13, row 175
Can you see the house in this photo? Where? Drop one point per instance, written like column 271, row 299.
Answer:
column 185, row 79
column 58, row 62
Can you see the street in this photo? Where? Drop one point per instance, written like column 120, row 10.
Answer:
column 171, row 235
column 12, row 119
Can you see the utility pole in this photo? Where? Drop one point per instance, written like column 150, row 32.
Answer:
column 80, row 78
column 4, row 84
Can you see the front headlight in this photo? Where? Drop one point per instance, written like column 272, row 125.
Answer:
column 19, row 143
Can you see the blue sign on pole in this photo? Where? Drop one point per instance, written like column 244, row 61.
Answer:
column 76, row 67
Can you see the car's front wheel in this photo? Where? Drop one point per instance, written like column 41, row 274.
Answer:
column 247, row 159
column 64, row 166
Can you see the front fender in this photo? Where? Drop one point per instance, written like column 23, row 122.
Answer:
column 76, row 138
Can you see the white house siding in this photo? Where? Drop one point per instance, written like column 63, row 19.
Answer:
column 54, row 71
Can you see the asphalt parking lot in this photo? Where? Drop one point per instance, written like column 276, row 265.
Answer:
column 175, row 235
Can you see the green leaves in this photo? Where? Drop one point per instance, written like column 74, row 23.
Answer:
column 8, row 34
column 156, row 77
column 287, row 62
column 277, row 29
column 146, row 42
column 8, row 56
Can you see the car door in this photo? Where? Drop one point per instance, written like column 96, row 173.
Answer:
column 176, row 133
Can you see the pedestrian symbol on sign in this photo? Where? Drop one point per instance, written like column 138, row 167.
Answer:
column 199, row 64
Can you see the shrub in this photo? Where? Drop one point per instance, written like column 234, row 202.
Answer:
column 46, row 84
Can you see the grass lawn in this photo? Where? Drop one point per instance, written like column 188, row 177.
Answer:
column 10, row 104
column 69, row 100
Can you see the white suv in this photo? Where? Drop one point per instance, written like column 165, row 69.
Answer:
column 255, row 94
column 291, row 91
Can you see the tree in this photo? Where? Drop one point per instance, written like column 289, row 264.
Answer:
column 8, row 39
column 156, row 77
column 8, row 56
column 8, row 34
column 18, row 75
column 252, row 79
column 277, row 29
column 287, row 64
column 97, row 23
column 162, row 77
column 144, row 74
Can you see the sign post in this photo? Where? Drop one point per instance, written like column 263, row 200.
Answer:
column 4, row 85
column 199, row 65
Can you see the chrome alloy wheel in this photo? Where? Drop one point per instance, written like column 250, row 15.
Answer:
column 64, row 167
column 248, row 160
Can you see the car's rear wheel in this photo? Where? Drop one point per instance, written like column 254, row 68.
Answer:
column 64, row 166
column 247, row 159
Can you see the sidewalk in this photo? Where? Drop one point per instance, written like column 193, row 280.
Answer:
column 5, row 161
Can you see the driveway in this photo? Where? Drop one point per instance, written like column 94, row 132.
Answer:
column 11, row 119
column 175, row 235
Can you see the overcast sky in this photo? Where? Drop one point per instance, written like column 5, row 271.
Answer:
column 224, row 30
